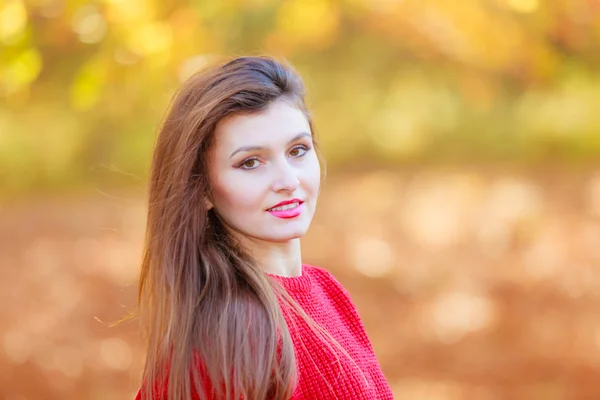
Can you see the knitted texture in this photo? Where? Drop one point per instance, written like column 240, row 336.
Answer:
column 324, row 371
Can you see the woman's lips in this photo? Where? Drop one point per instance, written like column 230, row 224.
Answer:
column 287, row 210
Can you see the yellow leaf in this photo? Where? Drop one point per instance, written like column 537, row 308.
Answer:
column 85, row 88
column 21, row 71
column 13, row 18
column 312, row 22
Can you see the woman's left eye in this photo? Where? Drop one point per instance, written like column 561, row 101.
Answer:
column 298, row 151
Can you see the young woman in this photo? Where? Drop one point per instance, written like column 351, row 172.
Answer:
column 228, row 308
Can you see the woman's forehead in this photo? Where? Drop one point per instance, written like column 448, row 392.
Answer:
column 280, row 122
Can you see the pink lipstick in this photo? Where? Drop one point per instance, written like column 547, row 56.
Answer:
column 287, row 209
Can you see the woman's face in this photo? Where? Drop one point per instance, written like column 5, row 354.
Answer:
column 265, row 174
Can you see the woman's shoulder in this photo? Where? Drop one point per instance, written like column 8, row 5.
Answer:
column 327, row 280
column 318, row 272
column 334, row 296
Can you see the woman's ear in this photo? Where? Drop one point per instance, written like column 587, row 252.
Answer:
column 208, row 204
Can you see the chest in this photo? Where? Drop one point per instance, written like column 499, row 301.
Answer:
column 328, row 371
column 322, row 376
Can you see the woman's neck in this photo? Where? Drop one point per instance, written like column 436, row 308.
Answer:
column 277, row 258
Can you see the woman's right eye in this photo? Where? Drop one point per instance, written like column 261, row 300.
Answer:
column 250, row 163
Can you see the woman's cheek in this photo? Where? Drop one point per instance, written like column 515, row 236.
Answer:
column 314, row 175
column 248, row 191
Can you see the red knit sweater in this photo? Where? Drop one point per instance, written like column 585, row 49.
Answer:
column 321, row 375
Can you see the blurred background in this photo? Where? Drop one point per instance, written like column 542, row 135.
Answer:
column 461, row 207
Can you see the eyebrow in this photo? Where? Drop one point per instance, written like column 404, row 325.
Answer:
column 256, row 148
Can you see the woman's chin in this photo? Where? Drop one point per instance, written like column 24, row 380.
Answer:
column 285, row 235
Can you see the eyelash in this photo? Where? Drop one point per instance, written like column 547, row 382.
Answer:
column 301, row 146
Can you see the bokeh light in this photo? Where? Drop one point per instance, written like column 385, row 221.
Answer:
column 461, row 207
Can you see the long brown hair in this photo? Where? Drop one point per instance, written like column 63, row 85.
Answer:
column 211, row 316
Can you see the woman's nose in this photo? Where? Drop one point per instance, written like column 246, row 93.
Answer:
column 285, row 178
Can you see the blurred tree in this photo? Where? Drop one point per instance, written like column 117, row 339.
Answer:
column 83, row 85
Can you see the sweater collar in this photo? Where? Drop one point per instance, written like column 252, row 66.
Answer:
column 296, row 284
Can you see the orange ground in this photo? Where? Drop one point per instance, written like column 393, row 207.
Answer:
column 471, row 285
